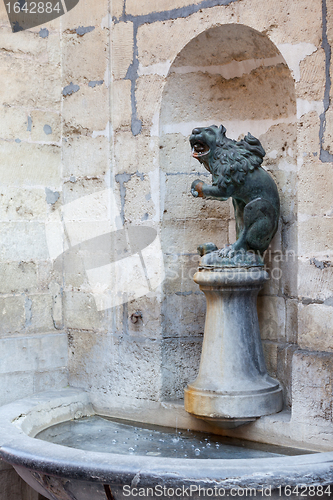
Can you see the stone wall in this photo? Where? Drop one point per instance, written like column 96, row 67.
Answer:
column 96, row 111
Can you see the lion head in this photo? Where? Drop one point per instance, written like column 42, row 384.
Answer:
column 227, row 160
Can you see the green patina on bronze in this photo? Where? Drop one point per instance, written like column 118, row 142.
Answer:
column 237, row 173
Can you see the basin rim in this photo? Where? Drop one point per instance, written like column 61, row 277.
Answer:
column 19, row 449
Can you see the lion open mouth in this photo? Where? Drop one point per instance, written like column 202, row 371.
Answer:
column 199, row 149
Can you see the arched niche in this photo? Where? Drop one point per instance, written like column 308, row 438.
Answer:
column 235, row 75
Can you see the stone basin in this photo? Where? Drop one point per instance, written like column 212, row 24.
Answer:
column 58, row 445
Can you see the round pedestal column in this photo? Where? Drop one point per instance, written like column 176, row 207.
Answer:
column 233, row 382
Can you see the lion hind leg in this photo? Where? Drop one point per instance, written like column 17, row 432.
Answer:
column 260, row 221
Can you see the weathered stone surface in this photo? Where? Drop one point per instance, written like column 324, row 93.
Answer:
column 27, row 84
column 314, row 188
column 315, row 235
column 179, row 203
column 272, row 316
column 312, row 388
column 134, row 154
column 86, row 110
column 180, row 237
column 23, row 242
column 180, row 362
column 312, row 83
column 315, row 327
column 84, row 15
column 122, row 49
column 46, row 127
column 14, row 123
column 85, row 156
column 315, row 278
column 30, row 164
column 121, row 113
column 178, row 311
column 293, row 22
column 80, row 64
column 33, row 353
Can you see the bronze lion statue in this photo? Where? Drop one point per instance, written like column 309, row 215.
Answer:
column 237, row 173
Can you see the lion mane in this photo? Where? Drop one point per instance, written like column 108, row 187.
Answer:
column 231, row 161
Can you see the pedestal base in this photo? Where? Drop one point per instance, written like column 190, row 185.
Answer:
column 233, row 385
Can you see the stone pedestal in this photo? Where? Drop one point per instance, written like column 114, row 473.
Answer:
column 233, row 386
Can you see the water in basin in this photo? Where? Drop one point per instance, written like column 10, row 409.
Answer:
column 102, row 434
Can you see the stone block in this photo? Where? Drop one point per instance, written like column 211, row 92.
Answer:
column 184, row 236
column 134, row 154
column 33, row 353
column 150, row 323
column 315, row 278
column 289, row 262
column 179, row 272
column 86, row 110
column 50, row 379
column 89, row 367
column 312, row 83
column 290, row 22
column 315, row 327
column 148, row 94
column 272, row 317
column 284, row 371
column 183, row 314
column 84, row 15
column 151, row 6
column 4, row 17
column 270, row 353
column 280, row 145
column 315, row 187
column 22, row 241
column 80, row 312
column 273, row 268
column 175, row 154
column 15, row 385
column 328, row 132
column 85, row 156
column 43, row 50
column 14, row 123
column 78, row 191
column 39, row 313
column 154, row 39
column 121, row 112
column 30, row 165
column 117, row 8
column 121, row 49
column 81, row 63
column 20, row 204
column 286, row 182
column 291, row 320
column 312, row 388
column 30, row 85
column 18, row 277
column 139, row 205
column 180, row 364
column 315, row 235
column 143, row 381
column 308, row 137
column 46, row 126
column 12, row 315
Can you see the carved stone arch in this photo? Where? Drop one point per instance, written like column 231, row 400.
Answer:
column 235, row 75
